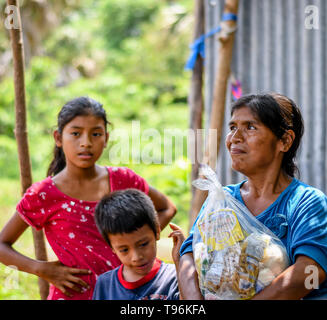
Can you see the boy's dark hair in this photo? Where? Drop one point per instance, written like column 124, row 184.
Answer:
column 125, row 211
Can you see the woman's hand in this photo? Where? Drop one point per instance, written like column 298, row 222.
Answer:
column 63, row 277
column 178, row 239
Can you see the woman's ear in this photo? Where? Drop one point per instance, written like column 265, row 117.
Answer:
column 287, row 140
column 57, row 138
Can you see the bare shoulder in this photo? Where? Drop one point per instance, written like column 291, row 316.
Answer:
column 59, row 178
column 103, row 180
column 102, row 171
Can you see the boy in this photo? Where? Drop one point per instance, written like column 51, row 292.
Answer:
column 128, row 222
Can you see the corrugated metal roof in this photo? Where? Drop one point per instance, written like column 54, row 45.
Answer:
column 274, row 51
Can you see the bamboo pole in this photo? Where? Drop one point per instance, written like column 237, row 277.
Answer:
column 195, row 98
column 21, row 132
column 219, row 98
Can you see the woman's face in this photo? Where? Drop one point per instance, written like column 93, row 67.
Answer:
column 252, row 146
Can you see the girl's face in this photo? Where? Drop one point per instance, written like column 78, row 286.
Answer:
column 82, row 140
column 252, row 146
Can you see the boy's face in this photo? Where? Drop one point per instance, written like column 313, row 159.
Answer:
column 136, row 250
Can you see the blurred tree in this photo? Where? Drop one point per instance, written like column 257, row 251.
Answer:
column 156, row 58
column 39, row 19
column 138, row 67
column 124, row 19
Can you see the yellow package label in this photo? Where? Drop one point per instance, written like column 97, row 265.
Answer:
column 220, row 229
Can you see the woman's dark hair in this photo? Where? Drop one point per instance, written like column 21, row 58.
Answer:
column 81, row 106
column 125, row 211
column 279, row 113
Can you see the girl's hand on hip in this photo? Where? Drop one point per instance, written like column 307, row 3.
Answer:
column 63, row 277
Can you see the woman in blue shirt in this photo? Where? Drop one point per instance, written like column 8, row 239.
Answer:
column 265, row 133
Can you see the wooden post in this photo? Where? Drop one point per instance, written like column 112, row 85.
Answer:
column 21, row 132
column 218, row 105
column 195, row 98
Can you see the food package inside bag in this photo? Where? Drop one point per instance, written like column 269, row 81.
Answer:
column 236, row 256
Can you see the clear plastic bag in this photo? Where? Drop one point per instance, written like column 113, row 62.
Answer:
column 236, row 256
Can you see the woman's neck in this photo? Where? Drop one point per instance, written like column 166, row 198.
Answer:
column 267, row 184
column 260, row 191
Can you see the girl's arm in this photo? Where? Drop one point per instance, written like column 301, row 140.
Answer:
column 9, row 256
column 188, row 278
column 62, row 277
column 291, row 284
column 164, row 207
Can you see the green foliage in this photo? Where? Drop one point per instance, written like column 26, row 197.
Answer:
column 175, row 182
column 8, row 156
column 124, row 19
column 156, row 63
column 7, row 111
column 17, row 285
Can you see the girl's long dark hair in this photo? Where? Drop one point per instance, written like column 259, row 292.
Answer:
column 81, row 106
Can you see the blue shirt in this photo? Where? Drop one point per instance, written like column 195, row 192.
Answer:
column 298, row 218
column 158, row 285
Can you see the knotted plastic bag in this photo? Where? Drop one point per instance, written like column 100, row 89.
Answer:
column 236, row 256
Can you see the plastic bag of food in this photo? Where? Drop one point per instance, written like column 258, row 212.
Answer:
column 236, row 256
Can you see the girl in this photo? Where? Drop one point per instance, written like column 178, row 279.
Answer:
column 63, row 205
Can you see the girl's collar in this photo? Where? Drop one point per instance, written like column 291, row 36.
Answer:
column 75, row 199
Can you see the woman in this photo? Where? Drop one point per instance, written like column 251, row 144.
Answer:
column 265, row 133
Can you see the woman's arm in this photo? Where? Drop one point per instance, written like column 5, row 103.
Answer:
column 61, row 276
column 188, row 278
column 291, row 284
column 165, row 208
column 178, row 238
